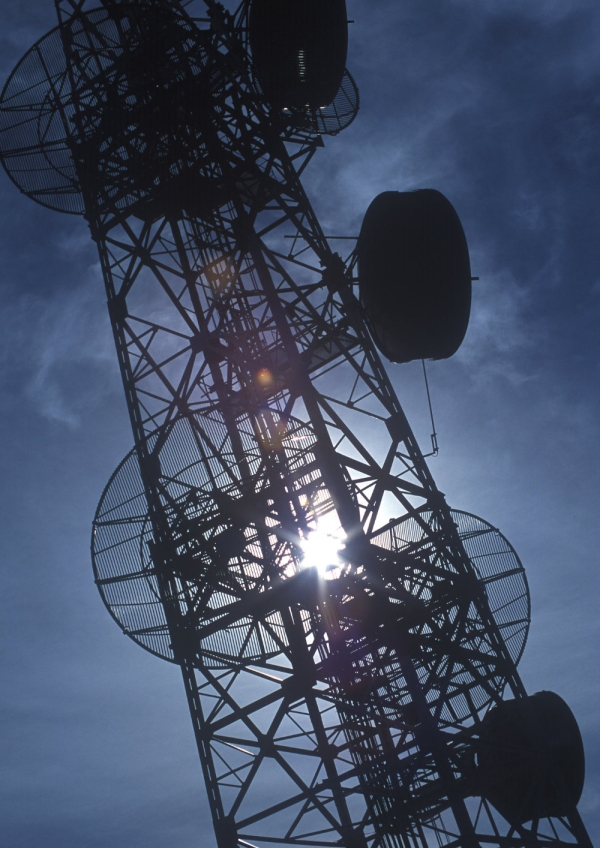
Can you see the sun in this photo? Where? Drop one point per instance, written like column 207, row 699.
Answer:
column 322, row 548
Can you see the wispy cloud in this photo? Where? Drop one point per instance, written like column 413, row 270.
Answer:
column 46, row 339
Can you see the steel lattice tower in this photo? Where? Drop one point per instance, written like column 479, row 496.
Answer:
column 337, row 708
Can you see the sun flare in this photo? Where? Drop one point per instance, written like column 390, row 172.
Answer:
column 322, row 548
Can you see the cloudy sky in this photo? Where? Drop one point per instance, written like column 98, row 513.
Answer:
column 497, row 104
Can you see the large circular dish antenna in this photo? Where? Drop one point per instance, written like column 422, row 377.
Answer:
column 525, row 744
column 226, row 519
column 494, row 561
column 126, row 122
column 299, row 49
column 414, row 275
column 36, row 108
column 436, row 613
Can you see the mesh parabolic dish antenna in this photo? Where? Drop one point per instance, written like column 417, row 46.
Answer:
column 420, row 602
column 36, row 108
column 119, row 123
column 218, row 508
column 494, row 560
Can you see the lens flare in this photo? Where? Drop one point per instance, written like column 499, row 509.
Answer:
column 265, row 378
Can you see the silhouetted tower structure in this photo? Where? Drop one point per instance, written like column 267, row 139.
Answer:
column 345, row 638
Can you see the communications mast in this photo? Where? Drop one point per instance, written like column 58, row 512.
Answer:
column 348, row 643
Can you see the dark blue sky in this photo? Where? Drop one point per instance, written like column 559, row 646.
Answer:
column 496, row 104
